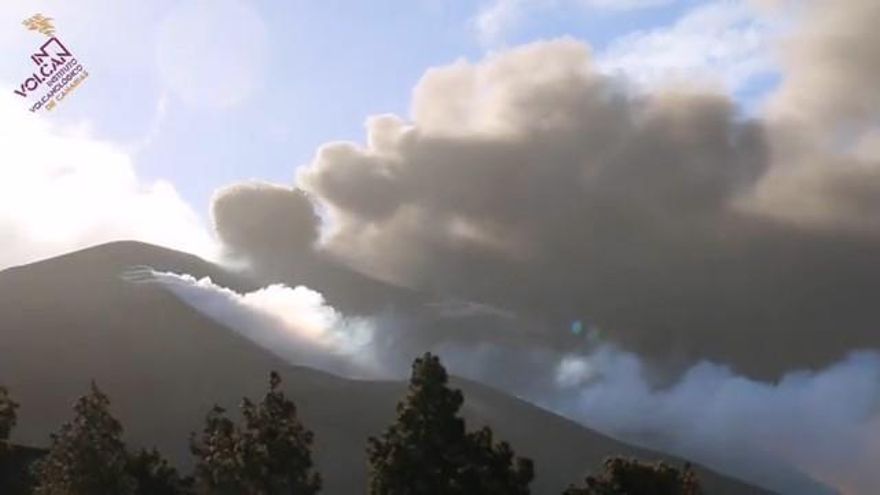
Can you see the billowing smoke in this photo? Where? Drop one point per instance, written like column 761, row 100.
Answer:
column 56, row 200
column 831, row 66
column 529, row 180
column 712, row 248
column 247, row 208
column 294, row 323
column 823, row 425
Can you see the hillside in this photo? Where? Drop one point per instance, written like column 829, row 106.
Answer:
column 68, row 320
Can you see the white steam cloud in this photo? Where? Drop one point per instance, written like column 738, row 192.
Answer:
column 62, row 189
column 824, row 423
column 295, row 324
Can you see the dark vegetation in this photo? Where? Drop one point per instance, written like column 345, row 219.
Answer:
column 427, row 450
column 630, row 476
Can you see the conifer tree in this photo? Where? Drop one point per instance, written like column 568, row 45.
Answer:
column 270, row 454
column 494, row 467
column 87, row 456
column 428, row 451
column 155, row 476
column 220, row 466
column 13, row 478
column 8, row 418
column 276, row 445
column 632, row 477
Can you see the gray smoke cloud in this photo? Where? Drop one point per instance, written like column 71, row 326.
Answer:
column 831, row 65
column 531, row 181
column 789, row 436
column 824, row 121
column 527, row 190
column 243, row 211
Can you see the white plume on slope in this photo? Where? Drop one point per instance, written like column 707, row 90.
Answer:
column 824, row 423
column 293, row 323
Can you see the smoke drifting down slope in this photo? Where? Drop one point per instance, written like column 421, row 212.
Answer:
column 822, row 423
column 293, row 323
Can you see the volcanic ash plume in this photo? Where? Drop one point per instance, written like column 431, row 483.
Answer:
column 822, row 425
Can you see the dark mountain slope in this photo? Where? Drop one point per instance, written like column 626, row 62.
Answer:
column 68, row 320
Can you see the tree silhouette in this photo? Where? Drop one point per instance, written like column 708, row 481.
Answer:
column 87, row 456
column 220, row 468
column 13, row 465
column 7, row 418
column 276, row 446
column 632, row 477
column 428, row 451
column 153, row 475
column 270, row 454
column 494, row 467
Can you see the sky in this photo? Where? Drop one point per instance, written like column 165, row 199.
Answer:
column 202, row 94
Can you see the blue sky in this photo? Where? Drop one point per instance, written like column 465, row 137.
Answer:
column 203, row 93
